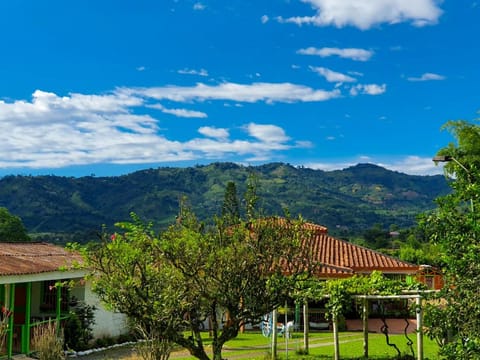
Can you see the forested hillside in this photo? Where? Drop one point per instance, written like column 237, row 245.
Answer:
column 349, row 201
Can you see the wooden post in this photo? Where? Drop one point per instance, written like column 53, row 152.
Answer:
column 335, row 337
column 365, row 327
column 419, row 315
column 274, row 334
column 305, row 328
column 286, row 331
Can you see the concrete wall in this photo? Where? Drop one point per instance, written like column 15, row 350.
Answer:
column 107, row 323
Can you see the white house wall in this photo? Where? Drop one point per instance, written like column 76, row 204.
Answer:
column 107, row 323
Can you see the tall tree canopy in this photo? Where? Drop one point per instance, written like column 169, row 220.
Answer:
column 454, row 226
column 170, row 283
column 11, row 227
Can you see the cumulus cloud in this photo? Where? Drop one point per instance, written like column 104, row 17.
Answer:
column 427, row 77
column 179, row 112
column 347, row 53
column 332, row 76
column 365, row 14
column 368, row 89
column 52, row 131
column 412, row 165
column 267, row 133
column 198, row 6
column 213, row 132
column 264, row 19
column 249, row 93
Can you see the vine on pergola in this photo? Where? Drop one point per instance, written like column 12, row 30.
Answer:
column 340, row 293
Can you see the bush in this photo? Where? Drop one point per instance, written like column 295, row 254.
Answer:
column 47, row 344
column 79, row 327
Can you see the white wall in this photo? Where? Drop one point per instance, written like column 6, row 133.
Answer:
column 107, row 323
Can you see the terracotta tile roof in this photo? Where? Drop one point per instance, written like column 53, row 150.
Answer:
column 34, row 258
column 341, row 258
column 316, row 228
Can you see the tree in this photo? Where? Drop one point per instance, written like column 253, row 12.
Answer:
column 11, row 227
column 230, row 207
column 172, row 283
column 454, row 227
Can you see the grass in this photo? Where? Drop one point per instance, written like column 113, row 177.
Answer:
column 255, row 346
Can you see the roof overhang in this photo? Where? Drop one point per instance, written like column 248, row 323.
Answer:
column 44, row 276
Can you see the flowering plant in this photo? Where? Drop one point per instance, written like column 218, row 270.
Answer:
column 4, row 317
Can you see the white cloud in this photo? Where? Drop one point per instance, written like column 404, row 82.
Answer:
column 264, row 19
column 179, row 112
column 427, row 77
column 201, row 72
column 365, row 14
column 213, row 132
column 412, row 165
column 347, row 53
column 267, row 133
column 332, row 76
column 52, row 131
column 250, row 93
column 141, row 68
column 368, row 89
column 198, row 6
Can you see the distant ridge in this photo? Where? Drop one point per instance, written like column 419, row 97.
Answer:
column 353, row 199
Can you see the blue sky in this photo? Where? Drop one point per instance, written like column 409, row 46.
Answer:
column 107, row 87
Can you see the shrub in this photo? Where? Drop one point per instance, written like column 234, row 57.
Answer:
column 47, row 344
column 79, row 327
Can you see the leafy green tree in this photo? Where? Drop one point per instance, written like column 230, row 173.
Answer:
column 175, row 283
column 231, row 207
column 454, row 227
column 11, row 227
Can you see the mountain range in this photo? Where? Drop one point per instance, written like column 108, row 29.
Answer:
column 351, row 200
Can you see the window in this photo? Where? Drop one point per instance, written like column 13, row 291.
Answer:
column 49, row 301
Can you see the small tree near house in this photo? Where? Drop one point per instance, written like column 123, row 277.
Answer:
column 170, row 283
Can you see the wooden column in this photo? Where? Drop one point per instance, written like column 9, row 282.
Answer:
column 274, row 334
column 336, row 344
column 365, row 326
column 305, row 328
column 419, row 315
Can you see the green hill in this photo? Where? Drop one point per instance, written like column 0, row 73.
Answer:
column 349, row 200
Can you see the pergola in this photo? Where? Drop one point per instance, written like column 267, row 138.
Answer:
column 365, row 299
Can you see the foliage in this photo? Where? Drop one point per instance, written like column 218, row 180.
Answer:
column 340, row 292
column 231, row 207
column 4, row 319
column 78, row 330
column 346, row 201
column 11, row 227
column 46, row 343
column 170, row 284
column 454, row 321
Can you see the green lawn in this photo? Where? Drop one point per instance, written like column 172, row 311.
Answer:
column 252, row 345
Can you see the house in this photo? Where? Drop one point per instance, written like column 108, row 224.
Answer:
column 38, row 283
column 340, row 258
